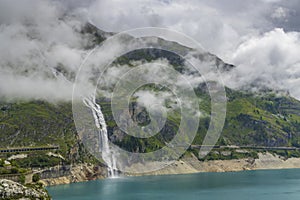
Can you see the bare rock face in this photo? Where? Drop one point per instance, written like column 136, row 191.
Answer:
column 73, row 174
column 13, row 190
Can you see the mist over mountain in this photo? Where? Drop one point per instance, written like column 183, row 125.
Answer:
column 44, row 42
column 254, row 50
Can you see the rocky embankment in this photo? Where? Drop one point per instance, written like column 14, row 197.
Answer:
column 190, row 164
column 77, row 173
column 11, row 190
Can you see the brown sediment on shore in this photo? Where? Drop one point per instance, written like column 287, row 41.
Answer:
column 187, row 165
column 190, row 164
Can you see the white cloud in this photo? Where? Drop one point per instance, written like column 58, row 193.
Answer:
column 37, row 36
column 21, row 87
column 154, row 101
column 270, row 60
column 240, row 32
column 280, row 13
column 218, row 25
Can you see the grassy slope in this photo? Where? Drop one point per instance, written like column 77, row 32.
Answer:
column 264, row 120
column 36, row 123
column 251, row 120
column 267, row 120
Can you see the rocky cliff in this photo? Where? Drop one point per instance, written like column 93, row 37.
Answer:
column 72, row 174
column 11, row 190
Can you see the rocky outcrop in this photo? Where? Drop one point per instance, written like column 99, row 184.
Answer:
column 273, row 161
column 12, row 190
column 73, row 174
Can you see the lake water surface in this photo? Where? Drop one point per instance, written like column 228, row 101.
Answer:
column 254, row 185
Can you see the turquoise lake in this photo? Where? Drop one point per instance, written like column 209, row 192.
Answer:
column 254, row 185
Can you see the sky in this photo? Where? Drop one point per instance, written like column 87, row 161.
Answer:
column 260, row 37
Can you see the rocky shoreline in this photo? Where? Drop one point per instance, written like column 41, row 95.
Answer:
column 187, row 165
column 264, row 161
column 76, row 173
column 13, row 190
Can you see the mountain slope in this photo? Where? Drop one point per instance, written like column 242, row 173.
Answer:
column 264, row 119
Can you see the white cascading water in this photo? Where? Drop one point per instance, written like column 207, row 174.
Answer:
column 107, row 153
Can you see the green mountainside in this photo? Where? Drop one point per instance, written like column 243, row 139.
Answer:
column 253, row 119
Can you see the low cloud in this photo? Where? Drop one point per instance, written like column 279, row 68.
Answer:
column 260, row 37
column 41, row 41
column 16, row 87
column 270, row 60
column 36, row 38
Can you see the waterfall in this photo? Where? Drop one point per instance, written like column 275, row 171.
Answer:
column 107, row 152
